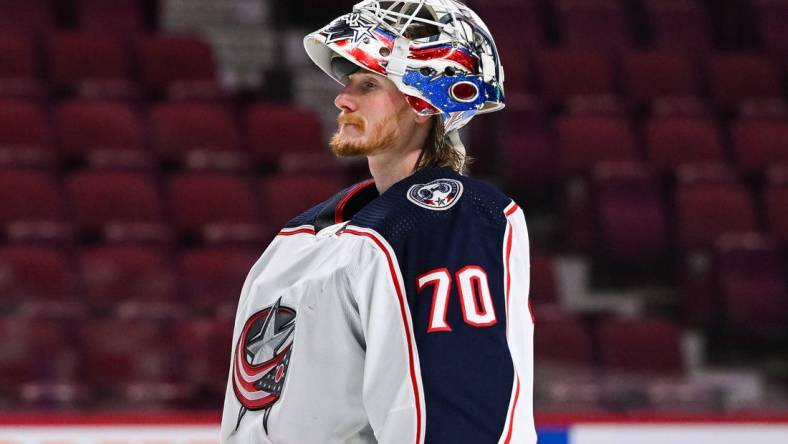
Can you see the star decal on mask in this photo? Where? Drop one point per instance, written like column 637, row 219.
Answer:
column 351, row 26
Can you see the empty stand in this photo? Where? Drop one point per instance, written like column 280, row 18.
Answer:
column 120, row 17
column 751, row 283
column 600, row 25
column 773, row 24
column 287, row 137
column 710, row 202
column 24, row 134
column 679, row 25
column 564, row 73
column 775, row 196
column 215, row 207
column 32, row 206
column 205, row 344
column 634, row 345
column 39, row 282
column 737, row 77
column 544, row 284
column 630, row 216
column 19, row 66
column 759, row 143
column 563, row 339
column 199, row 135
column 212, row 277
column 104, row 133
column 586, row 140
column 182, row 67
column 130, row 281
column 649, row 75
column 672, row 141
column 117, row 206
column 91, row 65
column 527, row 156
column 26, row 15
column 23, row 344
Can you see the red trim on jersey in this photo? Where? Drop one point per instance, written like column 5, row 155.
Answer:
column 514, row 406
column 400, row 296
column 511, row 209
column 339, row 217
column 298, row 231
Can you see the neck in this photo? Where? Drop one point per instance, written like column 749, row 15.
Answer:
column 389, row 168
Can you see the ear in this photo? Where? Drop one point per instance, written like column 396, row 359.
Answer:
column 421, row 119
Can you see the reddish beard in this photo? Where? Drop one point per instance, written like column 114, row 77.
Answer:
column 382, row 137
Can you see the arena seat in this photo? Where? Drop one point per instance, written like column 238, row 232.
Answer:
column 630, row 346
column 600, row 25
column 197, row 135
column 679, row 25
column 672, row 141
column 565, row 72
column 627, row 195
column 103, row 133
column 181, row 67
column 649, row 75
column 205, row 345
column 544, row 284
column 759, row 143
column 735, row 77
column 285, row 196
column 39, row 282
column 19, row 66
column 117, row 206
column 586, row 140
column 215, row 207
column 130, row 281
column 710, row 202
column 25, row 340
column 751, row 284
column 211, row 277
column 90, row 65
column 33, row 207
column 120, row 17
column 773, row 24
column 775, row 195
column 31, row 16
column 563, row 339
column 25, row 138
column 287, row 138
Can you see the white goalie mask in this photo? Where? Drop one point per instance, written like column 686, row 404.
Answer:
column 439, row 53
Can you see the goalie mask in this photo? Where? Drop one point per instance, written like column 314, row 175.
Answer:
column 439, row 53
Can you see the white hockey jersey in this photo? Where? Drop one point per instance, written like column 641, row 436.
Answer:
column 395, row 318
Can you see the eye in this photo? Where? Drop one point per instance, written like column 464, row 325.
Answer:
column 369, row 84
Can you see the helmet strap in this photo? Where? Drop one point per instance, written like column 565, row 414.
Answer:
column 398, row 59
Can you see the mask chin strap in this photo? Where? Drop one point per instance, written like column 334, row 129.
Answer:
column 456, row 143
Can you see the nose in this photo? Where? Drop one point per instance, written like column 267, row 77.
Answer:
column 344, row 101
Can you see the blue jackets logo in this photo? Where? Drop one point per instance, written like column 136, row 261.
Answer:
column 439, row 194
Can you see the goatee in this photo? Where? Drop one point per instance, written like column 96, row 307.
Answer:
column 382, row 137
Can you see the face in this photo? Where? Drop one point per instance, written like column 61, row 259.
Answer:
column 374, row 117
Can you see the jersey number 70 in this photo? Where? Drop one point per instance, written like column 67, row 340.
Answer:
column 475, row 298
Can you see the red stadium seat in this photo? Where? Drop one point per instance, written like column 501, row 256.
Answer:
column 631, row 345
column 773, row 21
column 204, row 346
column 759, row 143
column 528, row 155
column 751, row 282
column 24, row 341
column 90, row 64
column 285, row 196
column 183, row 67
column 197, row 134
column 105, row 133
column 563, row 339
column 679, row 25
column 18, row 66
column 33, row 207
column 212, row 277
column 649, row 75
column 31, row 16
column 709, row 203
column 215, row 207
column 130, row 281
column 39, row 282
column 627, row 195
column 674, row 141
column 775, row 195
column 601, row 25
column 287, row 137
column 544, row 292
column 565, row 73
column 586, row 140
column 117, row 206
column 24, row 134
column 120, row 17
column 738, row 77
